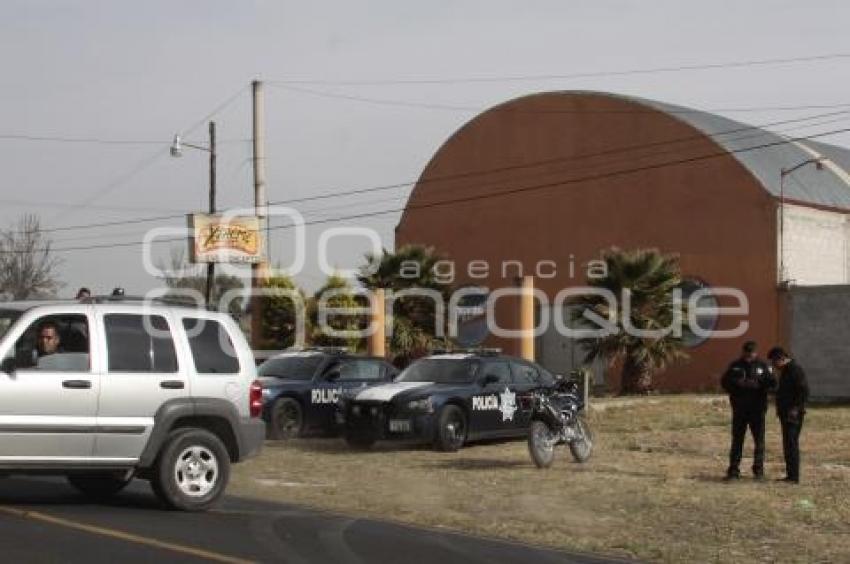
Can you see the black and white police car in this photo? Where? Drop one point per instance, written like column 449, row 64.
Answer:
column 301, row 387
column 448, row 399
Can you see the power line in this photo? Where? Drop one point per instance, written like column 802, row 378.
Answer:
column 532, row 188
column 224, row 104
column 316, row 212
column 337, row 194
column 92, row 140
column 593, row 74
column 307, row 212
column 156, row 155
column 482, row 172
column 16, row 202
column 459, row 108
column 95, row 140
column 506, row 168
column 140, row 166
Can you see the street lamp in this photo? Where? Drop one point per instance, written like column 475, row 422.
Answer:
column 818, row 162
column 177, row 151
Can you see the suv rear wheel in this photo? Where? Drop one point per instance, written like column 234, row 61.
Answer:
column 192, row 470
column 99, row 485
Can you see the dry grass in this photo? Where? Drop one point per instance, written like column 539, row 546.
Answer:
column 652, row 489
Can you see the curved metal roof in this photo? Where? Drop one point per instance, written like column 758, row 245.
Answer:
column 829, row 186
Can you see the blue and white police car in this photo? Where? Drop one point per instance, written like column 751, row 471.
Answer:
column 301, row 387
column 447, row 399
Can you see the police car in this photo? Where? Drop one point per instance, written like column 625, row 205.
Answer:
column 301, row 387
column 448, row 399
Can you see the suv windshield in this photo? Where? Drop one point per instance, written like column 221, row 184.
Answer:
column 294, row 367
column 7, row 319
column 440, row 371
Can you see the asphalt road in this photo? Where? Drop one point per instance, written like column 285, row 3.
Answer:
column 45, row 520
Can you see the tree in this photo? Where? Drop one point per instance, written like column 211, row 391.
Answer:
column 182, row 276
column 280, row 312
column 650, row 277
column 414, row 317
column 343, row 298
column 28, row 268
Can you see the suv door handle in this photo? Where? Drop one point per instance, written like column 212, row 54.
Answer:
column 77, row 384
column 172, row 384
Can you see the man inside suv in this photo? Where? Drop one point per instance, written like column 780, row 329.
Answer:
column 48, row 339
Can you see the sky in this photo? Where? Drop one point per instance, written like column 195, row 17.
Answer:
column 132, row 74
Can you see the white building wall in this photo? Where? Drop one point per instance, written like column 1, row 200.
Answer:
column 816, row 247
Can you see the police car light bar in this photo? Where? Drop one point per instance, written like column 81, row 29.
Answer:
column 481, row 351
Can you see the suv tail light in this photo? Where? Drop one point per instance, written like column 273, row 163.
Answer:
column 255, row 399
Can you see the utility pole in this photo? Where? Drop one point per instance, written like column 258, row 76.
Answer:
column 526, row 319
column 258, row 270
column 177, row 151
column 378, row 321
column 211, row 265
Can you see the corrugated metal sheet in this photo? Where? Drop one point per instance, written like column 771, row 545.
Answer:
column 829, row 186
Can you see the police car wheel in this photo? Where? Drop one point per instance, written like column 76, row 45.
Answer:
column 286, row 420
column 451, row 429
column 541, row 444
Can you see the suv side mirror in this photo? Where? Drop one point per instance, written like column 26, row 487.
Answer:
column 8, row 365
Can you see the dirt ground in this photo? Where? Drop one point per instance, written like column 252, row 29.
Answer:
column 652, row 489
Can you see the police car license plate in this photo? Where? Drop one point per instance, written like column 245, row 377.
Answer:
column 399, row 425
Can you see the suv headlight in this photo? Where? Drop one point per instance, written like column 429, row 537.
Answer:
column 422, row 405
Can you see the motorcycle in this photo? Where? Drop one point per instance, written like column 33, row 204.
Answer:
column 558, row 418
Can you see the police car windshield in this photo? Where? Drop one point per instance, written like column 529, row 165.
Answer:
column 440, row 371
column 295, row 367
column 7, row 319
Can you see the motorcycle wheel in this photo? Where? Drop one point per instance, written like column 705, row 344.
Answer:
column 582, row 447
column 541, row 444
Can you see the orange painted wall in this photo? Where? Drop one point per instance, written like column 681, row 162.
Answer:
column 584, row 195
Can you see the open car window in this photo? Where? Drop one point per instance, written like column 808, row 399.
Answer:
column 53, row 343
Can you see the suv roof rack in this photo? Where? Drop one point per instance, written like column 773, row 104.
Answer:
column 161, row 300
column 329, row 350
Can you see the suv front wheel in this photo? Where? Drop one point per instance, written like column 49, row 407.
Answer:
column 192, row 470
column 451, row 429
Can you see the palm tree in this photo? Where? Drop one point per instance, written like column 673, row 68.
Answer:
column 280, row 312
column 414, row 317
column 344, row 298
column 650, row 277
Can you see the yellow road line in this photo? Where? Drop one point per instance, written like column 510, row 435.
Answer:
column 121, row 535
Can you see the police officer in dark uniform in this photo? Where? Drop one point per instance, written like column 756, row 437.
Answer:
column 747, row 381
column 791, row 398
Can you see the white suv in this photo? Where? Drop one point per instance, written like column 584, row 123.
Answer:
column 117, row 388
